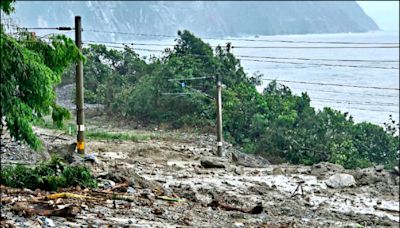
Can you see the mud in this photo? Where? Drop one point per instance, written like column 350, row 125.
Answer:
column 172, row 167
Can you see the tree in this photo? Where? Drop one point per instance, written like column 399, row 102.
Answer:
column 30, row 68
column 277, row 124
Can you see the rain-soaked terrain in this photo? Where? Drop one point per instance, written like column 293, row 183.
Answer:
column 176, row 181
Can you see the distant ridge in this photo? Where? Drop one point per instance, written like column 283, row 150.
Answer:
column 207, row 18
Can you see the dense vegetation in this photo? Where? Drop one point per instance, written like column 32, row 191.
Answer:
column 276, row 123
column 49, row 175
column 30, row 68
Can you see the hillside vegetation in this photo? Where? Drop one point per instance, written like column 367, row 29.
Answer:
column 276, row 123
column 204, row 18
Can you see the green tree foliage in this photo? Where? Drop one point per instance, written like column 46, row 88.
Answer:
column 30, row 68
column 6, row 6
column 275, row 123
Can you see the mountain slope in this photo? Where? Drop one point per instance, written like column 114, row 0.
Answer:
column 206, row 18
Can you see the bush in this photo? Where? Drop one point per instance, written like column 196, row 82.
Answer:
column 50, row 175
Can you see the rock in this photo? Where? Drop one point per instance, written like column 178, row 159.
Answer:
column 322, row 168
column 138, row 181
column 130, row 190
column 239, row 170
column 277, row 171
column 89, row 158
column 158, row 211
column 185, row 191
column 146, row 193
column 47, row 222
column 340, row 180
column 118, row 178
column 379, row 168
column 109, row 184
column 369, row 176
column 246, row 160
column 213, row 162
column 396, row 170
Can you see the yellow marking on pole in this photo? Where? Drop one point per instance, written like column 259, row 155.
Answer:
column 80, row 145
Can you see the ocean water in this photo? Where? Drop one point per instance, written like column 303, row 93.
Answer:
column 364, row 104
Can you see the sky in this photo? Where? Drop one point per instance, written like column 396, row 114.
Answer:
column 384, row 13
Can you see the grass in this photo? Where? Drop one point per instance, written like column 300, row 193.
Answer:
column 116, row 136
column 94, row 132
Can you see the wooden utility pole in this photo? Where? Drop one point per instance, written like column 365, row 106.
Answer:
column 80, row 115
column 219, row 117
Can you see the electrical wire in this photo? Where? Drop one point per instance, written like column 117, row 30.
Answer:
column 349, row 93
column 271, row 61
column 189, row 79
column 319, row 64
column 356, row 103
column 332, row 84
column 242, row 39
column 312, row 47
column 109, row 42
column 311, row 59
column 50, row 28
column 258, row 47
column 357, row 108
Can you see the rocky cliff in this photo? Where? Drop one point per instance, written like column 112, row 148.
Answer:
column 204, row 18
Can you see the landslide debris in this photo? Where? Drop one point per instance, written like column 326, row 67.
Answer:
column 166, row 182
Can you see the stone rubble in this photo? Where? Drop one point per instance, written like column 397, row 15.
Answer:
column 168, row 183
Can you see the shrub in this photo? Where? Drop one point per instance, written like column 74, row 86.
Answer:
column 50, row 175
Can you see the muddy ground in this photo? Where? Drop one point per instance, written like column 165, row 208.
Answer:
column 242, row 192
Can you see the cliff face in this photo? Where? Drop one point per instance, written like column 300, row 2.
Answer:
column 206, row 18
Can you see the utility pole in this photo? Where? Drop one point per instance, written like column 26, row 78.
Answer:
column 219, row 117
column 80, row 116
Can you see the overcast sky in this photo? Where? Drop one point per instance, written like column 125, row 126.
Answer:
column 384, row 13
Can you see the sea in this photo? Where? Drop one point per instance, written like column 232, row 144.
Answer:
column 361, row 81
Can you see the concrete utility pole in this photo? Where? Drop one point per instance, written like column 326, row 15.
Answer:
column 80, row 115
column 219, row 117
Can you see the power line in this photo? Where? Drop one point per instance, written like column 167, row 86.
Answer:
column 332, row 84
column 312, row 47
column 318, row 64
column 147, row 44
column 268, row 61
column 249, row 56
column 129, row 33
column 50, row 28
column 241, row 39
column 196, row 90
column 256, row 47
column 311, row 59
column 353, row 86
column 177, row 94
column 361, row 109
column 309, row 42
column 356, row 103
column 189, row 79
column 349, row 93
column 138, row 49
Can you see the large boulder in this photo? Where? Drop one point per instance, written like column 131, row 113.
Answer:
column 246, row 160
column 324, row 168
column 340, row 180
column 213, row 162
column 373, row 175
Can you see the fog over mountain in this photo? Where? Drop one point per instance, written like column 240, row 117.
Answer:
column 206, row 18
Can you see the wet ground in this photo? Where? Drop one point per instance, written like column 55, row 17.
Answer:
column 142, row 173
